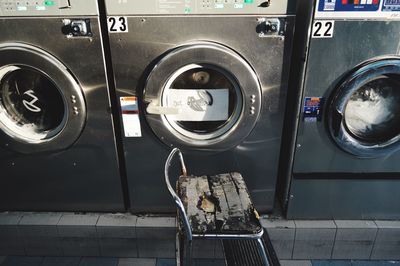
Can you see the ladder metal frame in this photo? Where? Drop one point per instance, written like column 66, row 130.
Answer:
column 186, row 231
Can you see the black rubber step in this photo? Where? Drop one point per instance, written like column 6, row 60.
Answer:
column 247, row 252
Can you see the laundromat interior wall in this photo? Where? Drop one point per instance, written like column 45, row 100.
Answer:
column 300, row 97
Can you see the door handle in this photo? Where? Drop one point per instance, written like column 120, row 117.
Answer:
column 156, row 109
column 337, row 118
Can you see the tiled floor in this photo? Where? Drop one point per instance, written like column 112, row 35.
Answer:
column 104, row 261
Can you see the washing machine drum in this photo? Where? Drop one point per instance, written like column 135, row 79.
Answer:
column 41, row 105
column 365, row 111
column 202, row 96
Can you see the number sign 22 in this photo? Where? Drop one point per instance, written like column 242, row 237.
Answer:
column 117, row 24
column 323, row 28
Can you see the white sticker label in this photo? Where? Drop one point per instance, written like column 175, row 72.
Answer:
column 117, row 24
column 323, row 28
column 130, row 117
column 199, row 105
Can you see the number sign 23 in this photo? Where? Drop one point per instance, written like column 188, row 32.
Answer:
column 323, row 28
column 117, row 24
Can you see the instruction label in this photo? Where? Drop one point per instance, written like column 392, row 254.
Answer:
column 130, row 116
column 312, row 109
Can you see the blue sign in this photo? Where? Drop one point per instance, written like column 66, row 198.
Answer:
column 391, row 5
column 312, row 109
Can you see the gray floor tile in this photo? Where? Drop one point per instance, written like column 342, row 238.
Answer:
column 43, row 246
column 121, row 247
column 283, row 249
column 316, row 249
column 12, row 246
column 99, row 262
column 166, row 262
column 352, row 250
column 296, row 263
column 80, row 247
column 137, row 262
column 22, row 261
column 61, row 261
column 277, row 223
column 10, row 218
column 150, row 248
column 77, row 225
column 116, row 226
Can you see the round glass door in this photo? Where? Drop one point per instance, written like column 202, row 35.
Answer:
column 364, row 116
column 202, row 96
column 33, row 107
column 207, row 98
column 42, row 106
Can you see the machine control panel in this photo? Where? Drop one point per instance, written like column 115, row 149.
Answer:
column 195, row 7
column 21, row 8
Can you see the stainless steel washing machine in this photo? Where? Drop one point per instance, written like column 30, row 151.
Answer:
column 209, row 77
column 57, row 144
column 347, row 148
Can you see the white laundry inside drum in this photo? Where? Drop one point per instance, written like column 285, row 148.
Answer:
column 199, row 105
column 372, row 112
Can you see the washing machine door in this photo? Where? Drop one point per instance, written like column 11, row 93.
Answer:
column 202, row 96
column 364, row 114
column 42, row 107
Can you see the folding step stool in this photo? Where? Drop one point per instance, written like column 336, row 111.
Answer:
column 218, row 207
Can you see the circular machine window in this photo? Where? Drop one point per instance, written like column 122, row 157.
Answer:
column 373, row 112
column 42, row 106
column 364, row 114
column 202, row 96
column 207, row 98
column 33, row 108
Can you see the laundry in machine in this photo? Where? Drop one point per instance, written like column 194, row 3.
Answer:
column 57, row 143
column 347, row 142
column 208, row 77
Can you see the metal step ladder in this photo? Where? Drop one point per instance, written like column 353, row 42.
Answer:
column 218, row 207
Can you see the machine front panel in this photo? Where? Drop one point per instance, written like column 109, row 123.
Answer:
column 330, row 60
column 149, row 40
column 195, row 7
column 17, row 8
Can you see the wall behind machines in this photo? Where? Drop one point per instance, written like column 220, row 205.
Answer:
column 327, row 181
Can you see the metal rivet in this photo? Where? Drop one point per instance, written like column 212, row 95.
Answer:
column 76, row 113
column 252, row 112
column 253, row 101
column 252, row 108
column 253, row 96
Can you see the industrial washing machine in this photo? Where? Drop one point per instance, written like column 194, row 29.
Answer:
column 208, row 77
column 346, row 152
column 57, row 143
